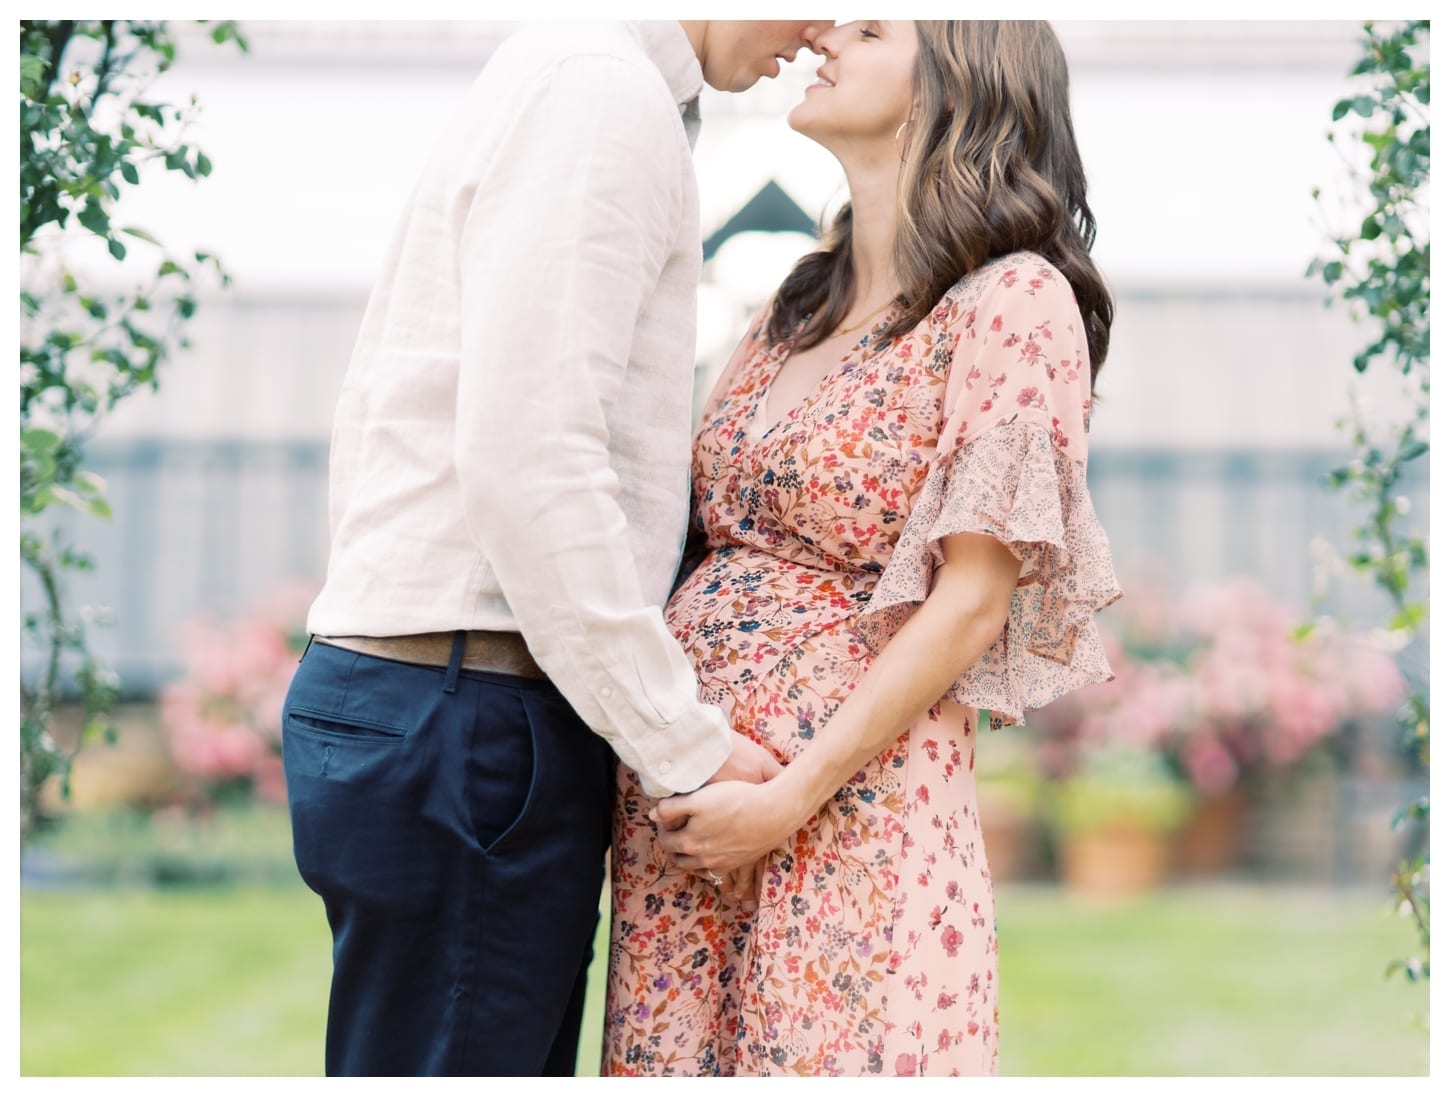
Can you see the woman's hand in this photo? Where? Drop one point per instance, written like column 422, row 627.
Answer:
column 727, row 825
column 743, row 885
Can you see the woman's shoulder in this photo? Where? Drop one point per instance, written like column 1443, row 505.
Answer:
column 1017, row 274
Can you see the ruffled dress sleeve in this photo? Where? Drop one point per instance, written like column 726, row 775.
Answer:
column 1011, row 461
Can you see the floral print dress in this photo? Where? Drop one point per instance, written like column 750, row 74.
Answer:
column 874, row 947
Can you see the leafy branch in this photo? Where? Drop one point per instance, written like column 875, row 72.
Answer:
column 1381, row 270
column 89, row 129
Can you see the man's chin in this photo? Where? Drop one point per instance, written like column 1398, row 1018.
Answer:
column 735, row 84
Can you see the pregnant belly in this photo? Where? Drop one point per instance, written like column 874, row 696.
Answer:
column 743, row 610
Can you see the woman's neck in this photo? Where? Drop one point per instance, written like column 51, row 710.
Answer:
column 873, row 185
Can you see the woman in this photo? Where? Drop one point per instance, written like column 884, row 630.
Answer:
column 890, row 478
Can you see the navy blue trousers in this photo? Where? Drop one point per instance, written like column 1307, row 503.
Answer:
column 454, row 824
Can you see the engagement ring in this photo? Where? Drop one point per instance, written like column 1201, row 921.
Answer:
column 715, row 877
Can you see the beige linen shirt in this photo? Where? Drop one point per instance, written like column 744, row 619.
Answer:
column 511, row 445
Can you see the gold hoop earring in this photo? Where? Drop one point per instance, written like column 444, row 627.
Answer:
column 898, row 131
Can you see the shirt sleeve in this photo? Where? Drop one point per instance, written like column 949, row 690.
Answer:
column 567, row 230
column 1011, row 462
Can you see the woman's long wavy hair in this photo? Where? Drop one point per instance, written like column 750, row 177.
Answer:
column 990, row 166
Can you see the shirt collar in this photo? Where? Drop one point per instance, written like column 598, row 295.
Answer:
column 665, row 42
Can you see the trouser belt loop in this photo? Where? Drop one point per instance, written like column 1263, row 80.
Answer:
column 455, row 661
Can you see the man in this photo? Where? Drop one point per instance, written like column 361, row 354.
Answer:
column 509, row 488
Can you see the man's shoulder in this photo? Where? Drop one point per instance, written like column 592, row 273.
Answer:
column 608, row 50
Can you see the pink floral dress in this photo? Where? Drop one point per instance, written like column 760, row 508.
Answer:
column 874, row 948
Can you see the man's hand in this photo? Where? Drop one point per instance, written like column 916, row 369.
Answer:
column 749, row 762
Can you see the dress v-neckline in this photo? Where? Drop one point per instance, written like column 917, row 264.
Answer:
column 779, row 355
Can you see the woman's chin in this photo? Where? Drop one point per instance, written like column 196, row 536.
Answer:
column 802, row 119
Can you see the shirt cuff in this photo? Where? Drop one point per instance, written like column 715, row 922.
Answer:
column 683, row 755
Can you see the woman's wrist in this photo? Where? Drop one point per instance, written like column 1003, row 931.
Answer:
column 804, row 786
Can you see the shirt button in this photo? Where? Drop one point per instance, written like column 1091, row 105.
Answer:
column 606, row 692
column 664, row 767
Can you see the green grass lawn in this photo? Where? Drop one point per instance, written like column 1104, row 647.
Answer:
column 1201, row 981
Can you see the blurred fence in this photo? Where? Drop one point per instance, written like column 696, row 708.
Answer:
column 213, row 525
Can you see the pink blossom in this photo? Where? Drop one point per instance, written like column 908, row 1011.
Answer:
column 1210, row 767
column 1220, row 681
column 1375, row 684
column 216, row 752
column 223, row 720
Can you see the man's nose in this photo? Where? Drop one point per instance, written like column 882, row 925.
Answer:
column 814, row 31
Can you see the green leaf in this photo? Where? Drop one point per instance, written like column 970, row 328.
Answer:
column 1414, row 450
column 1341, row 108
column 99, row 507
column 32, row 75
column 1332, row 271
column 1415, row 809
column 203, row 164
column 141, row 234
column 1408, row 619
column 40, row 440
column 93, row 217
column 129, row 172
column 116, row 248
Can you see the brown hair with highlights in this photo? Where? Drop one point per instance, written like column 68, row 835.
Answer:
column 991, row 166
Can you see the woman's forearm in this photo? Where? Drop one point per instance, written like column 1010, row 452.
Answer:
column 957, row 623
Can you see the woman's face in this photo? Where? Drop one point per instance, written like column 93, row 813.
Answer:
column 863, row 90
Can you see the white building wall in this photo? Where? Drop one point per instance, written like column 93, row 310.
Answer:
column 1203, row 143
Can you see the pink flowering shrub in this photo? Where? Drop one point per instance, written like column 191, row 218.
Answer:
column 223, row 720
column 1223, row 682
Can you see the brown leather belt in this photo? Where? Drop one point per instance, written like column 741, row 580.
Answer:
column 499, row 652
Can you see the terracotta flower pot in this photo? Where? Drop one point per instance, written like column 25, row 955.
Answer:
column 1211, row 842
column 1116, row 859
column 1013, row 843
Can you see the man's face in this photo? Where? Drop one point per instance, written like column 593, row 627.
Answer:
column 737, row 53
